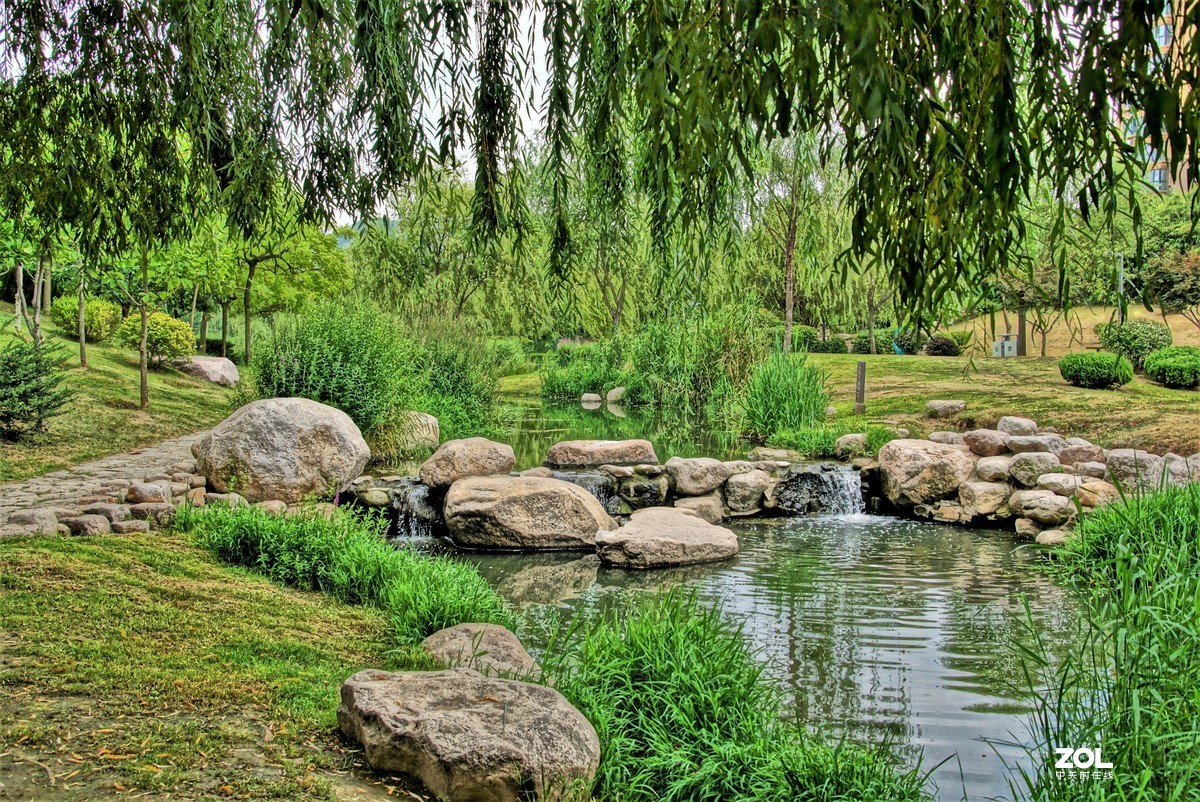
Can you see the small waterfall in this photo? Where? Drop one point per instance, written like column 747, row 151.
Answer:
column 821, row 489
column 418, row 514
column 598, row 483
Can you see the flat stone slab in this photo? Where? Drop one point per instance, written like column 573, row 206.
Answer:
column 594, row 453
column 659, row 537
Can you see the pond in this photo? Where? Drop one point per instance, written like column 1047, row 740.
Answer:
column 876, row 627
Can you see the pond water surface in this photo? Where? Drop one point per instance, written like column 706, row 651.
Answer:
column 877, row 628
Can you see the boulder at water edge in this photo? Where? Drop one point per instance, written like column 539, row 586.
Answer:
column 490, row 649
column 658, row 537
column 216, row 369
column 1134, row 470
column 284, row 449
column 523, row 512
column 918, row 471
column 459, row 459
column 593, row 453
column 699, row 475
column 471, row 738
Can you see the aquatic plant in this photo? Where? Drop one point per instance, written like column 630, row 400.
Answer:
column 784, row 393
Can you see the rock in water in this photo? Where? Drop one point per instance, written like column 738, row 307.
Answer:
column 594, row 453
column 490, row 649
column 523, row 512
column 282, row 448
column 473, row 456
column 471, row 738
column 658, row 537
column 216, row 369
column 919, row 471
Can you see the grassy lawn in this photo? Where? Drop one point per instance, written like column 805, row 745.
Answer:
column 104, row 418
column 141, row 664
column 1141, row 414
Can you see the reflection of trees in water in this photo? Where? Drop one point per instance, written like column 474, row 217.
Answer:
column 673, row 432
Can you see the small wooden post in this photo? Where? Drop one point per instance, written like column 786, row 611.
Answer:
column 860, row 390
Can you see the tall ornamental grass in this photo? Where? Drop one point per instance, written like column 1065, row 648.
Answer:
column 684, row 713
column 784, row 393
column 1132, row 684
column 349, row 559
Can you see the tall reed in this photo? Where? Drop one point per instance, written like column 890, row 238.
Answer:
column 784, row 393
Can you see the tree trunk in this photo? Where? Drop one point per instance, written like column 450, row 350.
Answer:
column 143, row 361
column 192, row 314
column 80, row 321
column 1021, row 345
column 789, row 269
column 46, row 287
column 34, row 324
column 204, row 329
column 1044, row 333
column 225, row 328
column 19, row 297
column 246, row 311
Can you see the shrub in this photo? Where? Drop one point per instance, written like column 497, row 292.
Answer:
column 349, row 559
column 1095, row 370
column 862, row 343
column 961, row 338
column 100, row 317
column 1178, row 366
column 942, row 346
column 909, row 341
column 833, row 345
column 1134, row 339
column 166, row 337
column 30, row 375
column 589, row 368
column 784, row 392
column 509, row 356
column 803, row 337
column 684, row 712
column 346, row 355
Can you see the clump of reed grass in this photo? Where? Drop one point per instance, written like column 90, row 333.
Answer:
column 348, row 558
column 783, row 393
column 684, row 712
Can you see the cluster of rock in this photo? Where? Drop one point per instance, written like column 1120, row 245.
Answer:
column 275, row 453
column 1036, row 478
column 481, row 729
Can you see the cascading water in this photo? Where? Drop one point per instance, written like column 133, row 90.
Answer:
column 821, row 489
column 418, row 515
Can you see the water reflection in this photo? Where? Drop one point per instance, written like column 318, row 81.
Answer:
column 876, row 627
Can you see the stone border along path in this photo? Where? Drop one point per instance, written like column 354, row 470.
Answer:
column 65, row 488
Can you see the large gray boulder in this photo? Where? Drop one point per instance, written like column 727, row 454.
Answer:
column 747, row 492
column 1011, row 424
column 698, row 475
column 986, row 442
column 919, row 471
column 1029, row 443
column 944, row 409
column 593, row 453
column 459, row 459
column 490, row 649
column 471, row 738
column 993, row 469
column 1046, row 508
column 282, row 448
column 523, row 512
column 658, row 537
column 1134, row 469
column 1079, row 451
column 216, row 369
column 982, row 498
column 1027, row 467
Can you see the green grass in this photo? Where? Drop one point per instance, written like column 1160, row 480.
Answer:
column 348, row 558
column 1133, row 683
column 684, row 713
column 784, row 393
column 818, row 442
column 142, row 664
column 103, row 418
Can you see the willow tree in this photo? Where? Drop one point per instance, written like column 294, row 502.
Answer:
column 949, row 111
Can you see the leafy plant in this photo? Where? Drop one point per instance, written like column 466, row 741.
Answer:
column 961, row 338
column 942, row 346
column 832, row 345
column 1096, row 371
column 803, row 337
column 1134, row 339
column 30, row 375
column 684, row 712
column 784, row 392
column 100, row 317
column 350, row 559
column 166, row 337
column 1178, row 366
column 818, row 442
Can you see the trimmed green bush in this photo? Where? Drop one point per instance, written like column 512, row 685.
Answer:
column 1134, row 339
column 100, row 317
column 833, row 345
column 961, row 338
column 350, row 559
column 30, row 375
column 862, row 343
column 784, row 392
column 942, row 346
column 166, row 337
column 1178, row 367
column 684, row 712
column 803, row 337
column 1096, row 371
